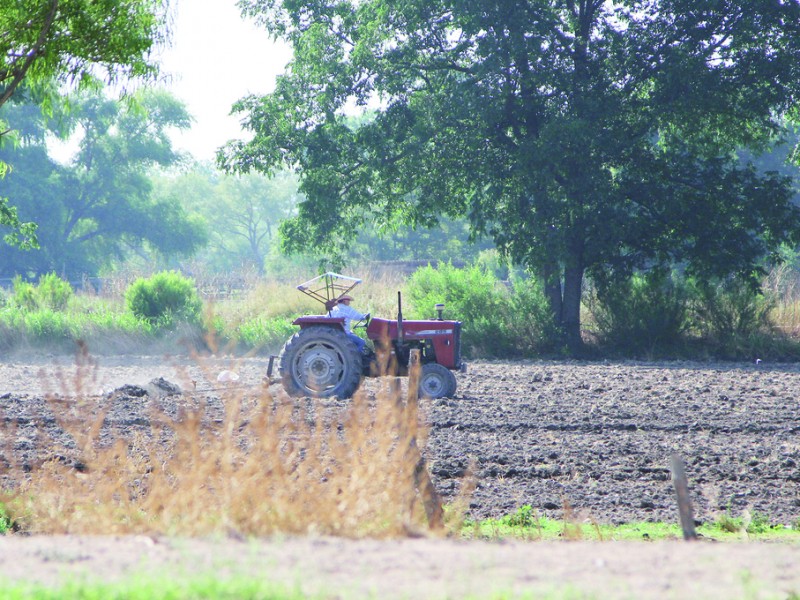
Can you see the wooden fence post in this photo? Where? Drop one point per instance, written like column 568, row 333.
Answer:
column 681, row 484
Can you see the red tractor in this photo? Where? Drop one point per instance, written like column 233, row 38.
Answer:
column 321, row 360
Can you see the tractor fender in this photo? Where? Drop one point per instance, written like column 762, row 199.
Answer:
column 319, row 321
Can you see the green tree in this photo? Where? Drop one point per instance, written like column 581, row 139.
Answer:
column 586, row 136
column 778, row 158
column 448, row 240
column 250, row 211
column 47, row 43
column 100, row 207
column 242, row 213
column 76, row 40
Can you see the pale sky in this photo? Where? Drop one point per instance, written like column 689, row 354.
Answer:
column 215, row 58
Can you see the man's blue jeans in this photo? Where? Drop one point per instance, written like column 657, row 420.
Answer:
column 359, row 342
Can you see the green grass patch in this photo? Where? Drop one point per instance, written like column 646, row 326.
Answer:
column 259, row 333
column 155, row 589
column 525, row 524
column 240, row 588
column 6, row 522
column 59, row 330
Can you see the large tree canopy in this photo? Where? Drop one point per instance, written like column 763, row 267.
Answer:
column 100, row 207
column 47, row 43
column 69, row 40
column 584, row 135
column 242, row 213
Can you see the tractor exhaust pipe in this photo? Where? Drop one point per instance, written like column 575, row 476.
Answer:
column 399, row 317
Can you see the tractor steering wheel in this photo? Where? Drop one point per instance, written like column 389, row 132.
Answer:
column 363, row 322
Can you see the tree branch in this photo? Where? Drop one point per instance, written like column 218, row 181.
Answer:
column 32, row 54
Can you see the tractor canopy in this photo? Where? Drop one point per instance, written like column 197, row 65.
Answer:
column 328, row 288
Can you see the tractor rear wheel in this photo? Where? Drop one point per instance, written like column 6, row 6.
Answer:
column 320, row 362
column 436, row 381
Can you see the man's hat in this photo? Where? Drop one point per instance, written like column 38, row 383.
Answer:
column 345, row 297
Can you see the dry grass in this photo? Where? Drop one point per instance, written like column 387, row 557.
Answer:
column 266, row 299
column 268, row 465
column 783, row 285
column 377, row 295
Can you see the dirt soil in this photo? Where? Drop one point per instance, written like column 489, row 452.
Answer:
column 589, row 441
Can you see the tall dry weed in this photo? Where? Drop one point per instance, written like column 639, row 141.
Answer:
column 272, row 298
column 378, row 293
column 783, row 284
column 267, row 299
column 256, row 464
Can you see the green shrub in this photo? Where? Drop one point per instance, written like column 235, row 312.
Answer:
column 164, row 298
column 492, row 261
column 528, row 319
column 524, row 517
column 498, row 320
column 728, row 523
column 734, row 321
column 49, row 325
column 729, row 311
column 759, row 523
column 24, row 296
column 264, row 333
column 53, row 292
column 646, row 313
column 471, row 295
column 6, row 523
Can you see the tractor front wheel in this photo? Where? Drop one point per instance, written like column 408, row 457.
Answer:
column 436, row 381
column 320, row 362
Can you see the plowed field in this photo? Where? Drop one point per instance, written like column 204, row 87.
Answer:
column 593, row 439
column 598, row 438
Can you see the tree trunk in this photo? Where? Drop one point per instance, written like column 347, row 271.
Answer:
column 552, row 289
column 571, row 313
column 563, row 290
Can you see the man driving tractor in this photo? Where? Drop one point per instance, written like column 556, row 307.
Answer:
column 325, row 358
column 349, row 314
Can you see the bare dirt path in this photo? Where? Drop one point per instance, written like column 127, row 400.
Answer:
column 594, row 436
column 421, row 568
